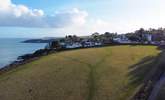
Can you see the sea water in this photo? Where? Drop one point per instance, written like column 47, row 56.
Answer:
column 11, row 48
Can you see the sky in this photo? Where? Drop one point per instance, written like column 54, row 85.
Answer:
column 57, row 18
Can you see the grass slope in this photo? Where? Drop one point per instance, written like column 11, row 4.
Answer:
column 86, row 74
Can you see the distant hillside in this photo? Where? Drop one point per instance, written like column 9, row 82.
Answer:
column 37, row 41
column 108, row 73
column 42, row 40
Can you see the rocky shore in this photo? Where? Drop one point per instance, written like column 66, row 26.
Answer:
column 24, row 59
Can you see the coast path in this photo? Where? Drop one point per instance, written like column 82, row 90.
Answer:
column 157, row 87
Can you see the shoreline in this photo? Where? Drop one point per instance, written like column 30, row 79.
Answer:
column 27, row 58
column 18, row 62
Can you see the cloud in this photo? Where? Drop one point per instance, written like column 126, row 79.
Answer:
column 73, row 17
column 5, row 3
column 22, row 16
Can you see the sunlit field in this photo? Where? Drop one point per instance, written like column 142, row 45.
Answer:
column 85, row 74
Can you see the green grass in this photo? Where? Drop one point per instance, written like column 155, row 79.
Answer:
column 86, row 74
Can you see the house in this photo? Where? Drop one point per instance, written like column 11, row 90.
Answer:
column 149, row 37
column 118, row 39
column 73, row 45
column 88, row 44
column 121, row 39
column 162, row 43
column 98, row 44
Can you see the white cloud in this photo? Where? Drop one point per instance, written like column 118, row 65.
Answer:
column 73, row 17
column 22, row 16
column 5, row 4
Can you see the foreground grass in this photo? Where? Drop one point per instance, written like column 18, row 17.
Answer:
column 86, row 74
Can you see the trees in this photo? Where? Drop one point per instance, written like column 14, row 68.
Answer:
column 158, row 35
column 133, row 37
column 140, row 35
column 96, row 36
column 72, row 38
column 143, row 35
column 54, row 45
column 109, row 35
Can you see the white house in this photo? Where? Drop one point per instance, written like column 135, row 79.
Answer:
column 73, row 45
column 149, row 37
column 122, row 39
column 97, row 43
column 88, row 44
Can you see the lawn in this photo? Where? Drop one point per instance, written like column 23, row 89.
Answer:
column 86, row 74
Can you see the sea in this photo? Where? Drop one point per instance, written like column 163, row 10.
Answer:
column 12, row 48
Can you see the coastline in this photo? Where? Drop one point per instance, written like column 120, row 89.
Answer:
column 18, row 62
column 14, row 65
column 146, row 88
column 27, row 58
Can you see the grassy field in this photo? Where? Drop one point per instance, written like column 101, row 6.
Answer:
column 88, row 74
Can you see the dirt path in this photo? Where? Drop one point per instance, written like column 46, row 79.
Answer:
column 92, row 77
column 92, row 74
column 157, row 88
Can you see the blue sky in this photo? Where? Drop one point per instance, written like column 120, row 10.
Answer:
column 46, row 18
